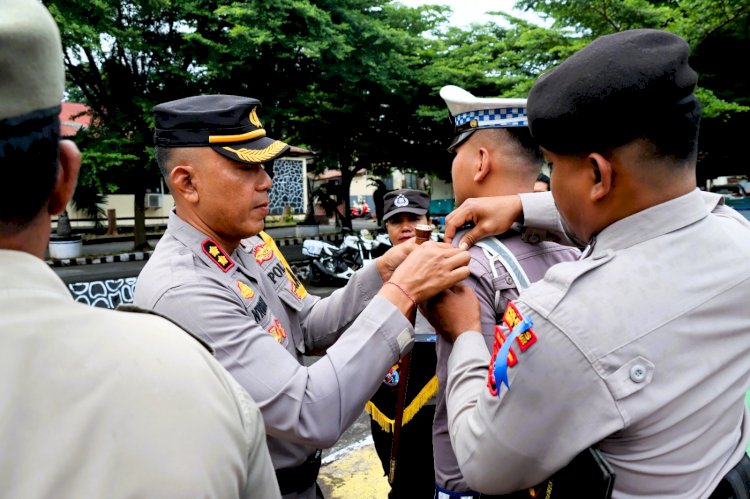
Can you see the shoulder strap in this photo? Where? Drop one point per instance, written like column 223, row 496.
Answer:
column 498, row 252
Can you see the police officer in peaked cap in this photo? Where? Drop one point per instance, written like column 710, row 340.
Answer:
column 216, row 272
column 640, row 348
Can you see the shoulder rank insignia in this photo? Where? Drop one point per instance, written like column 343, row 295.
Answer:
column 512, row 317
column 217, row 255
column 277, row 331
column 262, row 253
column 499, row 371
column 246, row 291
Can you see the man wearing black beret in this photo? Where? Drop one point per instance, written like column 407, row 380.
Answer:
column 216, row 272
column 640, row 348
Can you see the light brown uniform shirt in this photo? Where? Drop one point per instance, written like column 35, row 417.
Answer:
column 98, row 403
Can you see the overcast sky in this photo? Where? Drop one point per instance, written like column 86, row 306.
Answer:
column 466, row 12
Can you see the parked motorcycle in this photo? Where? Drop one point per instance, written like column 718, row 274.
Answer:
column 330, row 263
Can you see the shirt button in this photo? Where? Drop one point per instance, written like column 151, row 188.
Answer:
column 638, row 373
column 508, row 280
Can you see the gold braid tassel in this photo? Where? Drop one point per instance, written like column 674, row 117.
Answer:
column 425, row 394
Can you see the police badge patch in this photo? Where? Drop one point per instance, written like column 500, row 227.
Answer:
column 277, row 331
column 400, row 201
column 262, row 253
column 246, row 291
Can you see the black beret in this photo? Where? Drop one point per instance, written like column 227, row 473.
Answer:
column 405, row 201
column 229, row 124
column 612, row 91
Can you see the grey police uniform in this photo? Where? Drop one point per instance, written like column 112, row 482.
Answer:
column 260, row 320
column 655, row 373
column 534, row 259
column 98, row 403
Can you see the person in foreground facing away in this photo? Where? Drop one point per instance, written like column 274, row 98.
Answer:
column 95, row 403
column 641, row 347
column 494, row 156
column 214, row 271
column 404, row 209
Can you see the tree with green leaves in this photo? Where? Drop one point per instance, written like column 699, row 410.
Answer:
column 122, row 57
column 717, row 31
column 355, row 81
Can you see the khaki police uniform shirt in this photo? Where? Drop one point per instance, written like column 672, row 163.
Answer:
column 98, row 403
column 260, row 321
column 641, row 347
column 534, row 259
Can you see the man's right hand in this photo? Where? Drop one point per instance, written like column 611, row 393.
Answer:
column 453, row 312
column 429, row 269
column 490, row 215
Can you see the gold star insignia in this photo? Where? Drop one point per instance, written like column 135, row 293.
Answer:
column 213, row 250
column 223, row 261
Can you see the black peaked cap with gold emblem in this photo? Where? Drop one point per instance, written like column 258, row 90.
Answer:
column 229, row 124
column 405, row 201
column 613, row 90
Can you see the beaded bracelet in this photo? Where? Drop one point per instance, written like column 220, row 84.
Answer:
column 404, row 292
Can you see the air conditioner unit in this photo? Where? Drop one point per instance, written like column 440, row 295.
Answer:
column 154, row 200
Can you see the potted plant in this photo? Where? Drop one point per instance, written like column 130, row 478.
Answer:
column 63, row 243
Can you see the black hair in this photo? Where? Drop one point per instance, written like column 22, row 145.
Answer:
column 28, row 161
column 675, row 134
column 163, row 157
column 522, row 135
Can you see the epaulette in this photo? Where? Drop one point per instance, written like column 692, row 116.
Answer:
column 217, row 255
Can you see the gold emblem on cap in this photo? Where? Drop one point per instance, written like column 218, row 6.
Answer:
column 474, row 124
column 258, row 155
column 254, row 119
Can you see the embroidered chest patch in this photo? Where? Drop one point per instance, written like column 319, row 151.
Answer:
column 262, row 253
column 277, row 331
column 217, row 255
column 246, row 291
